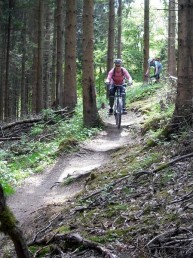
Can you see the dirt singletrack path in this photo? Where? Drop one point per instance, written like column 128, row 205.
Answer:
column 40, row 190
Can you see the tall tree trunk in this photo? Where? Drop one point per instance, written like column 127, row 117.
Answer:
column 53, row 67
column 172, row 39
column 39, row 99
column 2, row 81
column 183, row 106
column 70, row 94
column 146, row 37
column 23, row 85
column 111, row 39
column 90, row 113
column 119, row 43
column 7, row 99
column 47, row 57
column 111, row 35
column 34, row 29
column 60, row 40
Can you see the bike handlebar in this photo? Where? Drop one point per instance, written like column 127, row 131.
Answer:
column 119, row 85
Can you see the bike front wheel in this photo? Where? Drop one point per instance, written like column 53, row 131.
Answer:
column 118, row 113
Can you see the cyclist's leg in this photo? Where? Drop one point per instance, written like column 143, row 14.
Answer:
column 158, row 74
column 111, row 98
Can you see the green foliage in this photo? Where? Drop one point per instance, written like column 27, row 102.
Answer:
column 140, row 91
column 146, row 161
column 37, row 130
column 41, row 147
column 48, row 114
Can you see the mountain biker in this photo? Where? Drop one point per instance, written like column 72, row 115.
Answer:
column 117, row 76
column 154, row 62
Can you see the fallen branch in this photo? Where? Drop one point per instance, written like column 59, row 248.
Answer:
column 76, row 239
column 165, row 236
column 183, row 198
column 34, row 120
column 163, row 166
column 44, row 229
column 21, row 122
column 10, row 138
column 112, row 184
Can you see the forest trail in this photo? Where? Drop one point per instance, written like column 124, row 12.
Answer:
column 42, row 190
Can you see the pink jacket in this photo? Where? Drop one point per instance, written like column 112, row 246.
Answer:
column 118, row 77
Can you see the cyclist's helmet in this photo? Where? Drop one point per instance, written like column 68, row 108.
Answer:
column 118, row 61
column 150, row 60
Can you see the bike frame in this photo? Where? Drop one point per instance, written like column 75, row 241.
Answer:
column 151, row 79
column 118, row 104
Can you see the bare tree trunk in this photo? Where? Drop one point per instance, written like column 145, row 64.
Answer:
column 53, row 67
column 146, row 37
column 111, row 35
column 47, row 57
column 111, row 38
column 9, row 227
column 23, row 85
column 172, row 39
column 35, row 57
column 90, row 113
column 7, row 101
column 183, row 106
column 119, row 43
column 2, row 81
column 60, row 40
column 39, row 99
column 70, row 91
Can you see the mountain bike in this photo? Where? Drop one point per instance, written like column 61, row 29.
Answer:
column 151, row 79
column 118, row 104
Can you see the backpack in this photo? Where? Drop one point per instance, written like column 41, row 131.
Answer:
column 123, row 74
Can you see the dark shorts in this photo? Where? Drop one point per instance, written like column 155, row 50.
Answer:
column 113, row 89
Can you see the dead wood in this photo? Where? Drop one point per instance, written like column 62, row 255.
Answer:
column 112, row 184
column 8, row 225
column 138, row 174
column 34, row 120
column 76, row 239
column 163, row 166
column 44, row 229
column 173, row 237
column 10, row 138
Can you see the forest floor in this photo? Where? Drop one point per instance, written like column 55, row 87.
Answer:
column 46, row 187
column 44, row 194
column 125, row 198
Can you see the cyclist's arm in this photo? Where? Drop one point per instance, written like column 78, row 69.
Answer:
column 109, row 76
column 147, row 72
column 127, row 76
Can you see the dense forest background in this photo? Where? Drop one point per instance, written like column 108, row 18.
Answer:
column 42, row 50
column 55, row 56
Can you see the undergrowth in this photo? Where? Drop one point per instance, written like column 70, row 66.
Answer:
column 125, row 211
column 40, row 147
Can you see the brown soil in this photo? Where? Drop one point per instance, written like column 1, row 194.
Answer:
column 44, row 193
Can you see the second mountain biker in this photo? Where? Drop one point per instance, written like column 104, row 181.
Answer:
column 117, row 76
